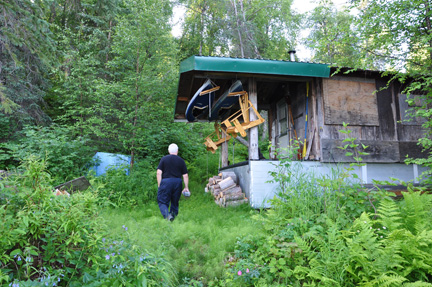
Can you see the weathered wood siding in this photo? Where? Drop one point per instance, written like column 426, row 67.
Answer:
column 374, row 112
column 350, row 100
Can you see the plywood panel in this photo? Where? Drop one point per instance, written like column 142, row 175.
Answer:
column 350, row 101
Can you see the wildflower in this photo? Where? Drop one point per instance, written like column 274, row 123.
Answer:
column 365, row 221
column 370, row 227
column 126, row 228
column 19, row 258
column 247, row 270
column 239, row 273
column 123, row 226
column 381, row 236
column 378, row 229
column 107, row 257
column 103, row 239
column 113, row 254
column 358, row 231
column 384, row 227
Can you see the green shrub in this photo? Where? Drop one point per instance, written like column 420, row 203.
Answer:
column 66, row 154
column 122, row 189
column 59, row 240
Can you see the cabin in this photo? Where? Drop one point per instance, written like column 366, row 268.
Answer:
column 309, row 102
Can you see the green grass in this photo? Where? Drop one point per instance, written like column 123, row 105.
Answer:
column 197, row 242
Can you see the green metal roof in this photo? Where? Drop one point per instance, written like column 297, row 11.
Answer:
column 254, row 66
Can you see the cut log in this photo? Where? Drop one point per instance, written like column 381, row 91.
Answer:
column 216, row 192
column 227, row 183
column 233, row 196
column 229, row 174
column 237, row 202
column 234, row 189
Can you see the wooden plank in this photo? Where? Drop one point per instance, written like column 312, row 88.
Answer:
column 379, row 151
column 348, row 101
column 77, row 184
column 412, row 150
column 386, row 117
column 407, row 112
column 253, row 132
column 315, row 90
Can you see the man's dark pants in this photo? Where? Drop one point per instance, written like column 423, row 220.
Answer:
column 169, row 191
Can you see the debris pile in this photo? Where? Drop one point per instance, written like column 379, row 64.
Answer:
column 225, row 190
column 61, row 192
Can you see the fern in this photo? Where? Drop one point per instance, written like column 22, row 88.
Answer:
column 389, row 214
column 326, row 259
column 385, row 281
column 417, row 284
column 416, row 209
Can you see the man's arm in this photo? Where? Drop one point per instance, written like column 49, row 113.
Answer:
column 186, row 181
column 159, row 176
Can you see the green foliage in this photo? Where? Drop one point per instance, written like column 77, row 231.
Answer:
column 121, row 189
column 43, row 232
column 263, row 29
column 58, row 240
column 28, row 52
column 331, row 39
column 66, row 155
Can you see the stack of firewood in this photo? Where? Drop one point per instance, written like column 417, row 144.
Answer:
column 225, row 190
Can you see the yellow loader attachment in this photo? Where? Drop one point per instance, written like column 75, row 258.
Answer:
column 235, row 124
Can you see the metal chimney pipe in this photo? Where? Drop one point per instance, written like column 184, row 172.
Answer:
column 292, row 55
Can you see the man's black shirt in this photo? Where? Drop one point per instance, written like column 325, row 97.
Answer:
column 172, row 166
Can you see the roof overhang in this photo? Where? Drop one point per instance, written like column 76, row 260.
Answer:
column 254, row 66
column 196, row 69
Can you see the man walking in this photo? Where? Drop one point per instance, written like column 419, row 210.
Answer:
column 169, row 175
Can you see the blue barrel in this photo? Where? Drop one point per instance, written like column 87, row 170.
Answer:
column 105, row 161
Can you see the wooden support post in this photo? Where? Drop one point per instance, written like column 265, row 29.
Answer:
column 253, row 132
column 224, row 152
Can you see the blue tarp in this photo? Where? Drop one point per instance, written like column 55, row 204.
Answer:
column 105, row 161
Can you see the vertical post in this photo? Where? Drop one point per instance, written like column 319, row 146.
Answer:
column 253, row 132
column 364, row 175
column 224, row 152
column 416, row 173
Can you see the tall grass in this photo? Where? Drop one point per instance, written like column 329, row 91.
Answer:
column 200, row 239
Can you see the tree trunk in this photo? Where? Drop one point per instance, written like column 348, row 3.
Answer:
column 233, row 2
column 136, row 108
column 429, row 27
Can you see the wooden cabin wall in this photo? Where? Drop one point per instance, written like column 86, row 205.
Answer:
column 294, row 101
column 373, row 115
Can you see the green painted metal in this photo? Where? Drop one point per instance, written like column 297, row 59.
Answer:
column 254, row 66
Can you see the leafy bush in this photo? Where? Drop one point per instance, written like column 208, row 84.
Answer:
column 122, row 189
column 66, row 155
column 58, row 240
column 328, row 231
